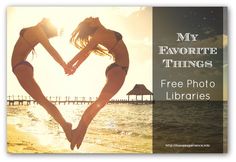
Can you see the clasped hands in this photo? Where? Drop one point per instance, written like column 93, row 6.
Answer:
column 69, row 68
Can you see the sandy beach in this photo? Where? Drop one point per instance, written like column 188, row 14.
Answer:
column 20, row 142
column 31, row 130
column 24, row 142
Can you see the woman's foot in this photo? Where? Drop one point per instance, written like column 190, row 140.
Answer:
column 77, row 138
column 74, row 136
column 79, row 142
column 67, row 128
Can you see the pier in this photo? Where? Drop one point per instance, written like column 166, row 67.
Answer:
column 138, row 95
column 67, row 100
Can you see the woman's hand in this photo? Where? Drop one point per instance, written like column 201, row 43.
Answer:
column 69, row 69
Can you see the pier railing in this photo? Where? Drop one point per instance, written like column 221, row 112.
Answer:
column 57, row 100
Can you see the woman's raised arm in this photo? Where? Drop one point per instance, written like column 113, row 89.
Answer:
column 51, row 50
column 84, row 53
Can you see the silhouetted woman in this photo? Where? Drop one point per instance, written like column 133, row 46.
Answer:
column 92, row 36
column 28, row 39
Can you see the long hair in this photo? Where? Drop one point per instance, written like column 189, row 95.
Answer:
column 82, row 35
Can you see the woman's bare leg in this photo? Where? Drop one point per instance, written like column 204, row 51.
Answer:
column 115, row 80
column 24, row 75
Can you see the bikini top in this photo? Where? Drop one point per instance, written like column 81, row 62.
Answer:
column 22, row 35
column 118, row 38
column 117, row 35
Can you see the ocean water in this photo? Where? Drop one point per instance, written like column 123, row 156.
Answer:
column 194, row 127
column 127, row 128
column 118, row 128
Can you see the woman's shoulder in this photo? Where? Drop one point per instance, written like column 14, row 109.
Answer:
column 33, row 33
column 39, row 32
column 104, row 33
column 29, row 31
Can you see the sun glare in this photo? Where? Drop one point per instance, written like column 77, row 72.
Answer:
column 67, row 18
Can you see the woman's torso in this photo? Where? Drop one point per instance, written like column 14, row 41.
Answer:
column 25, row 44
column 116, row 47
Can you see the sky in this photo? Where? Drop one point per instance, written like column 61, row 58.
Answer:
column 134, row 23
column 161, row 157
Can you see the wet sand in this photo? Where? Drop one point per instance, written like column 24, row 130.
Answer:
column 32, row 130
column 20, row 142
column 24, row 142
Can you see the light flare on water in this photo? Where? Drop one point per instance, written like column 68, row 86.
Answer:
column 123, row 127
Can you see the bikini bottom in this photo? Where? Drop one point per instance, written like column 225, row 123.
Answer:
column 22, row 63
column 125, row 68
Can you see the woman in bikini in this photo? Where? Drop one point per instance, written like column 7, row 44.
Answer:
column 28, row 39
column 92, row 36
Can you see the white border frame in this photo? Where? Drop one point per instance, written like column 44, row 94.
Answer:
column 117, row 158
